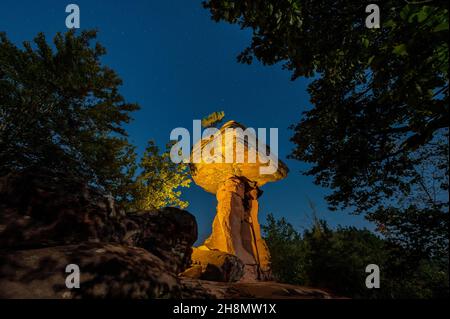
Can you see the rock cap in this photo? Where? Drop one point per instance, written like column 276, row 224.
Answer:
column 213, row 169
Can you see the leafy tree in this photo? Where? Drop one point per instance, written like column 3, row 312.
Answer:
column 377, row 134
column 336, row 259
column 60, row 109
column 287, row 251
column 159, row 182
column 421, row 232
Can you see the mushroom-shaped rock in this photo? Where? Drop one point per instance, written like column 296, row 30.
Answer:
column 234, row 151
column 233, row 164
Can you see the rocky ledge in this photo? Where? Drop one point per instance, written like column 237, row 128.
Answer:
column 48, row 221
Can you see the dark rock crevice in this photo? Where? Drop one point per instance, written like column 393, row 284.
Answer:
column 48, row 221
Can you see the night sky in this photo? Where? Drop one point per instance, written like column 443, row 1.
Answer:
column 179, row 65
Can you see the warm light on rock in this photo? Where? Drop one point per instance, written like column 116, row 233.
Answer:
column 236, row 229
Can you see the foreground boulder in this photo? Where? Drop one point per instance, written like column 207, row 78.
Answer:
column 168, row 233
column 50, row 220
column 214, row 265
column 41, row 209
column 257, row 290
column 106, row 271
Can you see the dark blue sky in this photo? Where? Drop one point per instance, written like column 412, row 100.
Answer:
column 179, row 65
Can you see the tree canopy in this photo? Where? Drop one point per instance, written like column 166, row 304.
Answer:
column 61, row 110
column 336, row 259
column 160, row 179
column 377, row 132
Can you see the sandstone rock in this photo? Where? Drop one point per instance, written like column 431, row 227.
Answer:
column 213, row 169
column 42, row 209
column 195, row 271
column 275, row 290
column 39, row 209
column 236, row 183
column 48, row 221
column 168, row 233
column 214, row 265
column 236, row 229
column 256, row 289
column 228, row 222
column 107, row 271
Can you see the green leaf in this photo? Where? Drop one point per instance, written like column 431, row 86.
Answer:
column 441, row 27
column 400, row 49
column 421, row 16
column 404, row 13
column 389, row 24
column 365, row 42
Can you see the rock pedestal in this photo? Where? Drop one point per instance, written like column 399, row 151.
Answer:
column 236, row 229
column 214, row 265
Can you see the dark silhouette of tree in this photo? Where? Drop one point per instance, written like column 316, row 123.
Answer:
column 61, row 110
column 377, row 134
column 337, row 258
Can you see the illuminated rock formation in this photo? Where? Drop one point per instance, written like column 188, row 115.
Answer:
column 236, row 229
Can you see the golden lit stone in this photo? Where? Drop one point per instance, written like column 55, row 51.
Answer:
column 235, row 228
